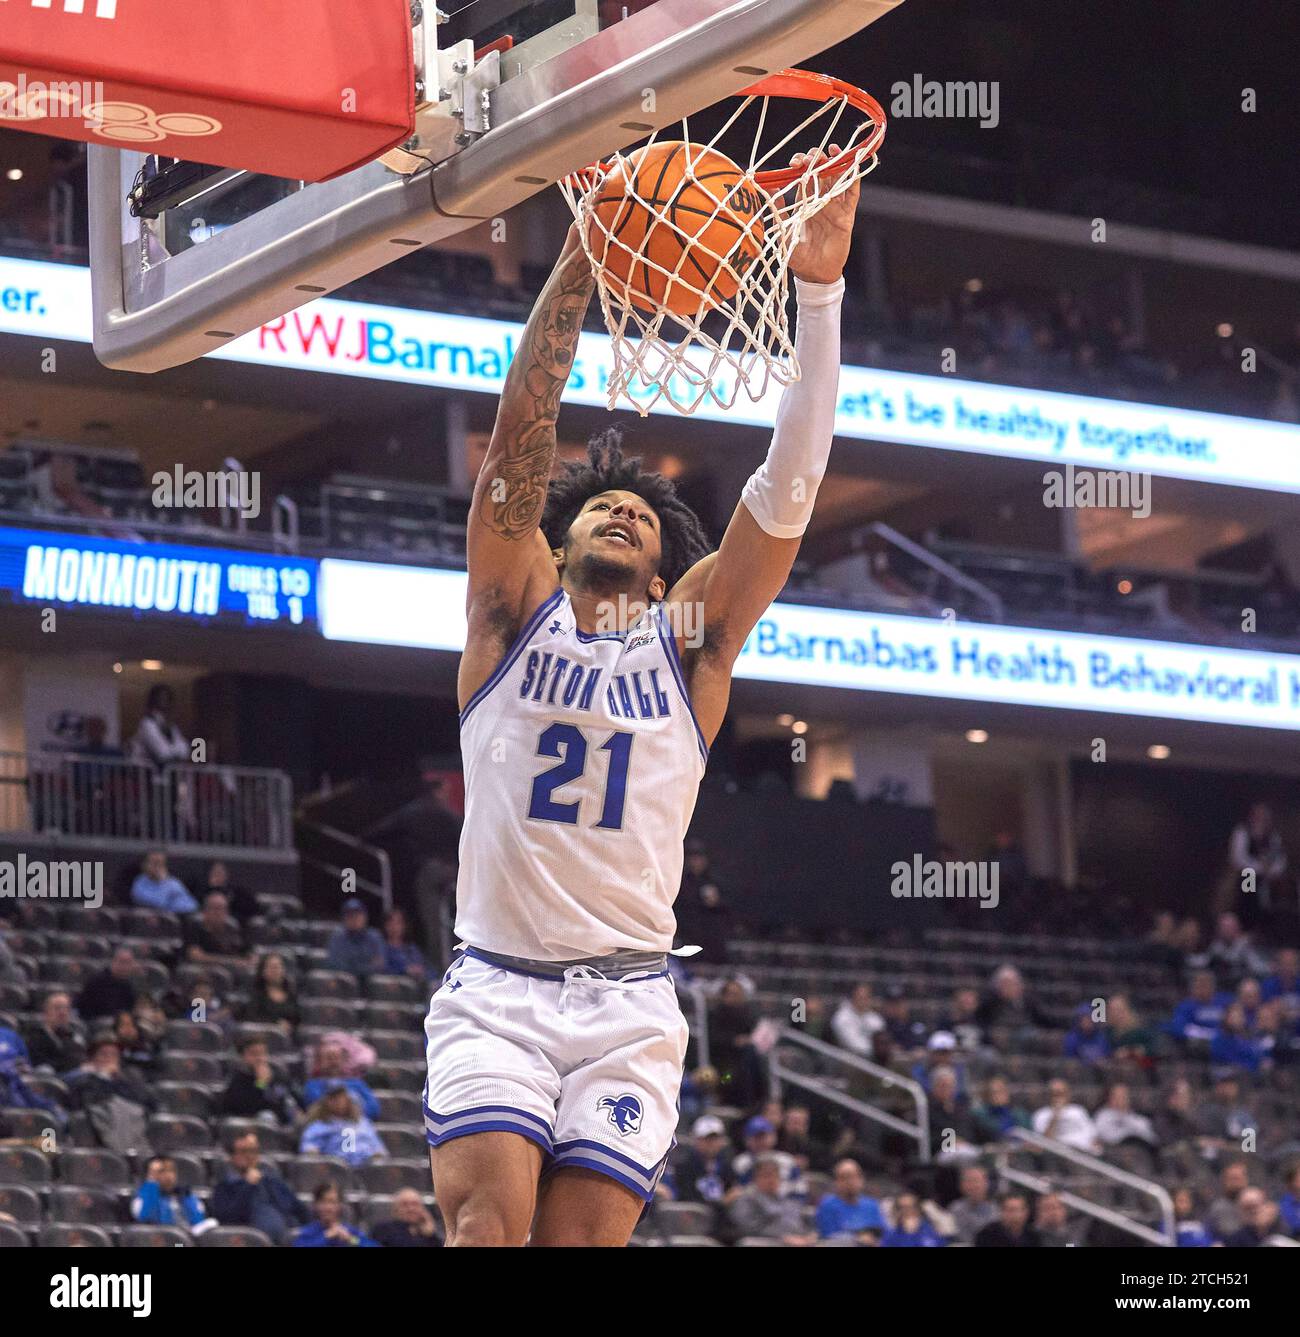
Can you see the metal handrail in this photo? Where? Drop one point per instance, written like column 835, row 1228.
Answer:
column 1040, row 1184
column 939, row 566
column 918, row 1131
column 380, row 886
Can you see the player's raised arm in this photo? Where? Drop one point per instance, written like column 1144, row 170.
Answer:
column 734, row 586
column 505, row 550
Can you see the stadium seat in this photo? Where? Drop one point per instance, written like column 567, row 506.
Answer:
column 184, row 1098
column 305, row 1173
column 92, row 1167
column 335, row 1013
column 235, row 1237
column 24, row 1165
column 20, row 1202
column 276, row 1041
column 395, row 1016
column 28, row 1123
column 329, row 984
column 757, row 1242
column 196, row 1036
column 186, row 1066
column 271, row 1137
column 12, row 1237
column 395, row 988
column 683, row 1218
column 71, row 1203
column 178, row 1132
column 153, row 1237
column 401, row 1140
column 392, row 1175
column 68, row 1236
column 397, row 1046
column 698, row 1242
column 399, row 1107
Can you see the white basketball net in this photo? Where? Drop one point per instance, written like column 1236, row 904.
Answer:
column 734, row 345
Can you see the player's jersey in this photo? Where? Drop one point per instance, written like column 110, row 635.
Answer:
column 582, row 763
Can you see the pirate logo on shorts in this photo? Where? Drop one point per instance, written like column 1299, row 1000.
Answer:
column 624, row 1113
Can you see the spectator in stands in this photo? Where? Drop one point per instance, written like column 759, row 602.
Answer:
column 998, row 1113
column 1052, row 1222
column 762, row 1211
column 254, row 1091
column 1199, row 1016
column 335, row 1126
column 163, row 1201
column 1008, row 1006
column 760, row 1143
column 214, row 935
column 116, row 1101
column 1237, row 1045
column 1009, row 858
column 973, row 1209
column 703, row 919
column 1086, row 1040
column 1260, row 1222
column 1257, row 876
column 139, row 1052
column 331, row 1073
column 796, row 1137
column 1289, row 1204
column 1161, row 943
column 273, row 999
column 732, row 1018
column 56, row 1043
column 158, row 739
column 411, row 1227
column 329, row 1230
column 156, row 889
column 910, row 1228
column 243, row 903
column 402, row 957
column 354, row 947
column 1132, row 1041
column 856, row 1022
column 1225, row 1118
column 1224, row 1215
column 248, row 1196
column 1283, row 985
column 1117, row 1122
column 150, row 1020
column 953, row 1132
column 703, row 1172
column 1190, row 1230
column 848, row 1210
column 1232, row 955
column 201, row 1003
column 1012, row 1229
column 15, row 1093
column 905, row 1034
column 961, row 1020
column 110, row 991
column 1176, row 1124
column 1063, row 1120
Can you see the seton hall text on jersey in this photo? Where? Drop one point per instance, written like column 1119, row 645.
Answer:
column 555, row 680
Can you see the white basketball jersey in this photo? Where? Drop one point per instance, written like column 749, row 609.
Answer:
column 582, row 763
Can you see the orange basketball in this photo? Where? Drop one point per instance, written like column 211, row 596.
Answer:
column 701, row 221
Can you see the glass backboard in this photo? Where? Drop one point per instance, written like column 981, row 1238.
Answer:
column 513, row 96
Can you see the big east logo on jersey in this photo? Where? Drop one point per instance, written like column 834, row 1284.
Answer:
column 104, row 9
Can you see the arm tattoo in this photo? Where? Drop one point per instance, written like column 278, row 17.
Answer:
column 512, row 483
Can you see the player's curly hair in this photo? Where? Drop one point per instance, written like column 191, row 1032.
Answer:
column 606, row 469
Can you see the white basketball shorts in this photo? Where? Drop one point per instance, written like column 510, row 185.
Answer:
column 588, row 1068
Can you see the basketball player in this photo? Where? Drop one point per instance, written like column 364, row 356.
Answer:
column 602, row 634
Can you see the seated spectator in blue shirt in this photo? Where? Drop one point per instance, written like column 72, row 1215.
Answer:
column 1200, row 1014
column 354, row 948
column 162, row 1201
column 14, row 1091
column 910, row 1230
column 1289, row 1203
column 1284, row 982
column 336, row 1127
column 848, row 1210
column 330, row 1073
column 156, row 889
column 702, row 1172
column 1190, row 1230
column 253, row 1197
column 329, row 1230
column 1236, row 1045
column 402, row 957
column 1087, row 1041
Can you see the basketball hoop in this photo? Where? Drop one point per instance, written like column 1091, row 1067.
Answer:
column 694, row 294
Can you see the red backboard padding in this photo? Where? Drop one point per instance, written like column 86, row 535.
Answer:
column 304, row 89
